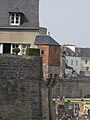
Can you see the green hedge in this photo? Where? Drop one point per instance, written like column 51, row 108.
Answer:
column 33, row 51
column 16, row 50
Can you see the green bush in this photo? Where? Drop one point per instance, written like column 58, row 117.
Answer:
column 68, row 101
column 33, row 51
column 16, row 50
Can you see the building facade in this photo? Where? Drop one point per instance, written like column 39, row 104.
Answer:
column 50, row 52
column 74, row 62
column 19, row 24
column 84, row 54
column 72, row 59
column 77, row 58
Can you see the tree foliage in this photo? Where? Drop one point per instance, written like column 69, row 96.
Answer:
column 33, row 51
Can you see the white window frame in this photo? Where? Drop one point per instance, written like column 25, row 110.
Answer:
column 24, row 47
column 15, row 19
column 14, row 46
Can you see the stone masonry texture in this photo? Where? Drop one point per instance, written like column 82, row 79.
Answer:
column 20, row 88
column 74, row 88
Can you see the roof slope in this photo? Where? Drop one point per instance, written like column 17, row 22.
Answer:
column 79, row 52
column 29, row 8
column 83, row 52
column 45, row 40
column 69, row 52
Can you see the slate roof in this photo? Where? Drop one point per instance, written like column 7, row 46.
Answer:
column 79, row 52
column 69, row 52
column 15, row 10
column 83, row 52
column 29, row 8
column 45, row 40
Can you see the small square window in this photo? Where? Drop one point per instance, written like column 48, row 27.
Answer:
column 71, row 62
column 76, row 62
column 87, row 68
column 86, row 61
column 41, row 51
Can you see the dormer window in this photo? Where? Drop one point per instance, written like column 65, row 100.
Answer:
column 15, row 16
column 15, row 19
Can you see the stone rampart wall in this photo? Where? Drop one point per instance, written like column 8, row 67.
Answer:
column 78, row 87
column 20, row 88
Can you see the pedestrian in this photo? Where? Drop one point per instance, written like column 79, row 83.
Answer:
column 85, row 112
column 89, row 114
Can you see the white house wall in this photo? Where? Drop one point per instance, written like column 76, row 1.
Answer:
column 85, row 65
column 18, row 37
column 1, row 48
column 76, row 67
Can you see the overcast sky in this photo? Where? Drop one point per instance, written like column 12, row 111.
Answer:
column 68, row 21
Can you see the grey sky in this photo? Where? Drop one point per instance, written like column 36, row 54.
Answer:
column 67, row 20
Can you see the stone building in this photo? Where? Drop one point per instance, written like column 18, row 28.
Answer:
column 19, row 24
column 50, row 52
column 72, row 58
column 77, row 58
column 84, row 54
